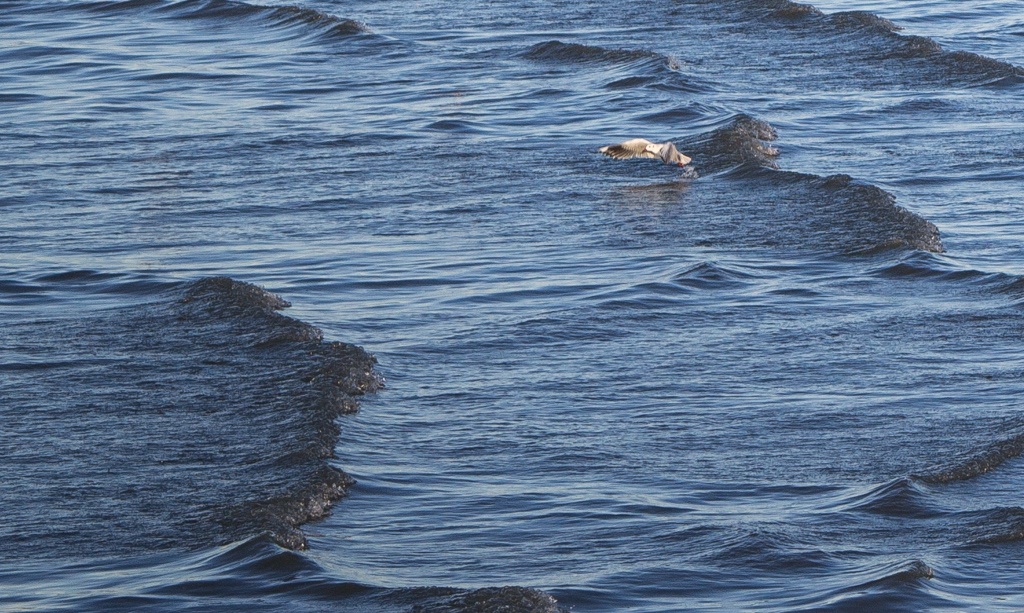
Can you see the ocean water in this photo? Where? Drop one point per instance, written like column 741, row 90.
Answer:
column 337, row 306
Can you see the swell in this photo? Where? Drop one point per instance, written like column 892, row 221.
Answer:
column 203, row 417
column 997, row 526
column 310, row 21
column 743, row 142
column 256, row 569
column 834, row 212
column 929, row 266
column 334, row 374
column 924, row 510
column 898, row 498
column 889, row 44
column 922, row 498
column 975, row 463
column 557, row 51
column 654, row 69
column 898, row 586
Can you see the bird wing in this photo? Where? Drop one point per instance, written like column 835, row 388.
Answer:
column 635, row 148
column 671, row 155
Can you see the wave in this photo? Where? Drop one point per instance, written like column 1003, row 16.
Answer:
column 771, row 547
column 921, row 497
column 932, row 516
column 557, row 51
column 920, row 265
column 509, row 598
column 257, row 569
column 887, row 43
column 334, row 374
column 743, row 141
column 906, row 572
column 712, row 276
column 48, row 289
column 656, row 70
column 997, row 526
column 308, row 20
column 976, row 463
column 1013, row 286
column 205, row 416
column 897, row 498
column 795, row 209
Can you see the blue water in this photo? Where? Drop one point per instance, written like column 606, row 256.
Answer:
column 787, row 379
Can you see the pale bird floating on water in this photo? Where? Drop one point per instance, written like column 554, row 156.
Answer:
column 643, row 148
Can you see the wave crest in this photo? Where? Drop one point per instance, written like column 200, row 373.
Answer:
column 488, row 600
column 205, row 416
column 863, row 20
column 645, row 68
column 898, row 498
column 758, row 205
column 743, row 141
column 557, row 51
column 333, row 373
column 976, row 463
column 858, row 216
column 318, row 23
column 882, row 40
column 997, row 526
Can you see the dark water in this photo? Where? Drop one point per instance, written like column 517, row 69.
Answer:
column 788, row 380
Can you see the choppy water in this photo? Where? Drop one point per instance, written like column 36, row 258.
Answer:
column 787, row 381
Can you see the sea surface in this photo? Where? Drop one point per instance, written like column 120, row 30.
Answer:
column 336, row 306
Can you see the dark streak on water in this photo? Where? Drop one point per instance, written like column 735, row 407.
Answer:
column 786, row 379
